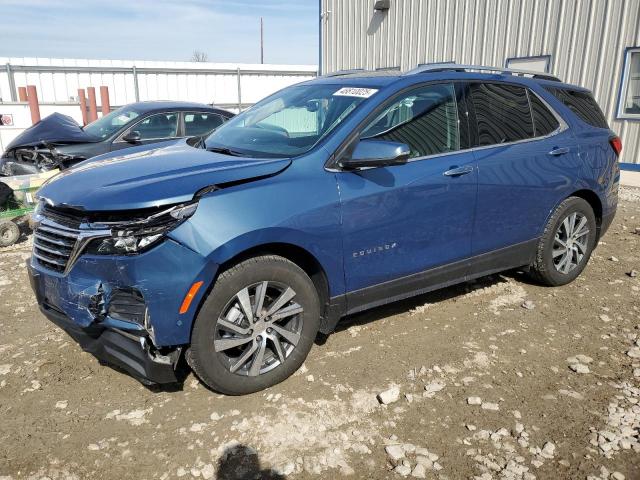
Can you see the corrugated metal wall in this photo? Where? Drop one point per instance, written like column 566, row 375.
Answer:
column 585, row 38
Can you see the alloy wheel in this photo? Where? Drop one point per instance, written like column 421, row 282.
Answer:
column 570, row 242
column 258, row 328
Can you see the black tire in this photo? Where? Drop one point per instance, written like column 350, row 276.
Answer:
column 212, row 367
column 544, row 268
column 9, row 233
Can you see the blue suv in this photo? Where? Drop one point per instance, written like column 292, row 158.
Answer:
column 327, row 198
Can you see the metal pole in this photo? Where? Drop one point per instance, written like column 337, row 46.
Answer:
column 12, row 83
column 93, row 108
column 34, row 106
column 135, row 83
column 104, row 100
column 320, row 38
column 261, row 41
column 239, row 92
column 83, row 105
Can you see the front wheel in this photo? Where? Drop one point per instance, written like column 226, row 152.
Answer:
column 256, row 327
column 566, row 243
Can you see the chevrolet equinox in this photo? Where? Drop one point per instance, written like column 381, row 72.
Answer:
column 327, row 198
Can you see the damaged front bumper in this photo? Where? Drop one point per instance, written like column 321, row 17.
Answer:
column 38, row 159
column 127, row 351
column 125, row 309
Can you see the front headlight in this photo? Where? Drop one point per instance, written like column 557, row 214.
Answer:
column 136, row 236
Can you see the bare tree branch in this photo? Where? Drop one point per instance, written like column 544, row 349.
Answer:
column 199, row 56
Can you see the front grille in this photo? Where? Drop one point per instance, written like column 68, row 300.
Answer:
column 53, row 245
column 65, row 217
column 61, row 236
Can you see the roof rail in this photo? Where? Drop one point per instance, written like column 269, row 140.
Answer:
column 339, row 73
column 454, row 67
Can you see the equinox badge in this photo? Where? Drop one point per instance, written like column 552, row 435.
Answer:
column 377, row 249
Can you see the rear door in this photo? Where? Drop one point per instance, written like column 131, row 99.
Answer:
column 526, row 162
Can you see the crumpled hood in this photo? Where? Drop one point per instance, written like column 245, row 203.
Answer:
column 150, row 178
column 56, row 128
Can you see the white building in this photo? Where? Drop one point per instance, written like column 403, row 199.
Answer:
column 593, row 43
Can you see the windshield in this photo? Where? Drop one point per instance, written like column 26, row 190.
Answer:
column 288, row 123
column 109, row 124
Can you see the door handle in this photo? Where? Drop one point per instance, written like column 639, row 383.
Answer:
column 559, row 151
column 458, row 171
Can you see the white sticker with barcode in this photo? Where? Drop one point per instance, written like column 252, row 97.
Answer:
column 355, row 92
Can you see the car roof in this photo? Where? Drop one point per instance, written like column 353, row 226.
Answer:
column 164, row 105
column 364, row 78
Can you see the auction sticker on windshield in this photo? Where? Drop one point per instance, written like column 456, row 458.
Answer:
column 355, row 92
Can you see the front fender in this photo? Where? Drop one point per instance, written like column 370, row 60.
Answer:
column 285, row 209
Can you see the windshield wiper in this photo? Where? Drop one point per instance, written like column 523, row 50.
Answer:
column 225, row 151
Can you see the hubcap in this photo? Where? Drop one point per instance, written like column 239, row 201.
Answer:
column 258, row 328
column 570, row 243
column 5, row 233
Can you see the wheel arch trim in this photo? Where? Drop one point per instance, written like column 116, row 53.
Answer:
column 301, row 256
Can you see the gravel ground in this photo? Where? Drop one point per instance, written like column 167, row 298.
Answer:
column 498, row 378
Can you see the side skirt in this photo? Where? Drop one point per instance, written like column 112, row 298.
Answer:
column 514, row 256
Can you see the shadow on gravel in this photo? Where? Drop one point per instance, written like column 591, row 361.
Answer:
column 182, row 372
column 241, row 462
column 404, row 306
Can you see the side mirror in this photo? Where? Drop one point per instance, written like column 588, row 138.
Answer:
column 375, row 153
column 132, row 137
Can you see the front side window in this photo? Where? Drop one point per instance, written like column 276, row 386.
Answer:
column 289, row 122
column 199, row 123
column 160, row 125
column 425, row 119
column 112, row 122
column 502, row 113
column 629, row 106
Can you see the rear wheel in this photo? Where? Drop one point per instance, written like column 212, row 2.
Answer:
column 256, row 327
column 566, row 244
column 9, row 233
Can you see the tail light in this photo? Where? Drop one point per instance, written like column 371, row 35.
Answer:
column 616, row 144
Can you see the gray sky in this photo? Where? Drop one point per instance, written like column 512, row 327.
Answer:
column 226, row 30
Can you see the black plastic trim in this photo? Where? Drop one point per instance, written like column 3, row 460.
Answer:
column 114, row 348
column 605, row 223
column 514, row 256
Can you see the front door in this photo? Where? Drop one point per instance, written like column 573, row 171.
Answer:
column 402, row 220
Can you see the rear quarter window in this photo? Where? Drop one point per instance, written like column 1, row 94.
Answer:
column 582, row 104
column 544, row 121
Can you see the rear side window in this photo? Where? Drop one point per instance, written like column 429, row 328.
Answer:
column 197, row 123
column 544, row 122
column 582, row 104
column 502, row 113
